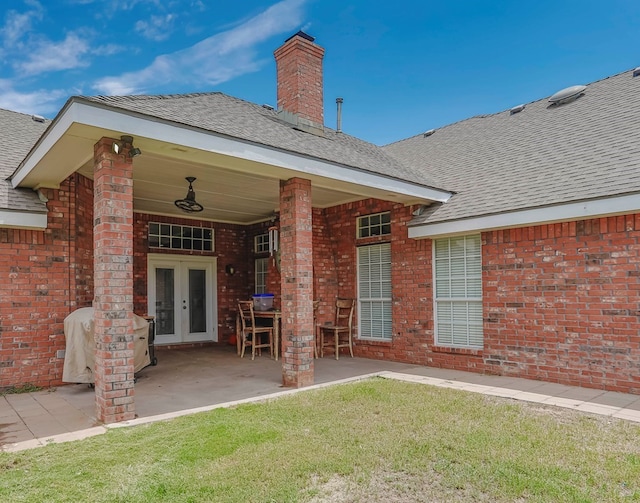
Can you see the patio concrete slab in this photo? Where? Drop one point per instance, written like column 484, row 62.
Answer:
column 190, row 380
column 634, row 405
column 585, row 394
column 615, row 399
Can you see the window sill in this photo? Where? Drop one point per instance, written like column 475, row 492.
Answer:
column 457, row 351
column 378, row 342
column 373, row 240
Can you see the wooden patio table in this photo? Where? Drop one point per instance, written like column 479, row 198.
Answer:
column 276, row 316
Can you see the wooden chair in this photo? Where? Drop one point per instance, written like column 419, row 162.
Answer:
column 341, row 330
column 250, row 334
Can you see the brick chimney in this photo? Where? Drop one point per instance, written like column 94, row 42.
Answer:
column 299, row 69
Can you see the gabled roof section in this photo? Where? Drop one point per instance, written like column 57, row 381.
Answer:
column 543, row 156
column 18, row 133
column 222, row 114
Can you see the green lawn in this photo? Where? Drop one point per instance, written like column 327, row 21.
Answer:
column 371, row 441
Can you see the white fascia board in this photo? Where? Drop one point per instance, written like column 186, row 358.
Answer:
column 46, row 142
column 135, row 125
column 537, row 216
column 23, row 220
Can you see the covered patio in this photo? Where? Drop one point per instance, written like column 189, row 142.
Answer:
column 184, row 379
column 192, row 379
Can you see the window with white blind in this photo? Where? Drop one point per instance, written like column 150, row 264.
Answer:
column 458, row 292
column 261, row 267
column 374, row 292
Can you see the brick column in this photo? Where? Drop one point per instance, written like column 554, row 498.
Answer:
column 113, row 283
column 297, row 282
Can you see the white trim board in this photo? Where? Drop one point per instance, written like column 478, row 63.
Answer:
column 23, row 220
column 537, row 216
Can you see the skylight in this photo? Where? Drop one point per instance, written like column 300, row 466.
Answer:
column 567, row 95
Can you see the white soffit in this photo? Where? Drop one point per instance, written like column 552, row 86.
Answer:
column 537, row 216
column 140, row 126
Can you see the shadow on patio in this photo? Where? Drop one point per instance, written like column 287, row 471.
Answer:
column 183, row 379
column 189, row 378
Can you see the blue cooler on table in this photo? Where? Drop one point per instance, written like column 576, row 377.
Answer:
column 263, row 301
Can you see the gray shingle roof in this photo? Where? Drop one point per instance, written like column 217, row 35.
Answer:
column 18, row 133
column 219, row 113
column 542, row 156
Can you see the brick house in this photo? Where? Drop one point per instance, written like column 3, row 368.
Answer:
column 504, row 244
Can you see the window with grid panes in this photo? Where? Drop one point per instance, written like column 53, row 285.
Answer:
column 374, row 292
column 180, row 237
column 261, row 267
column 378, row 224
column 261, row 243
column 458, row 292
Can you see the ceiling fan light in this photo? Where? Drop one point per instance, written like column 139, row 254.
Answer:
column 189, row 203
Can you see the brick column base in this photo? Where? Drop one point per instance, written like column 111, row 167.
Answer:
column 296, row 264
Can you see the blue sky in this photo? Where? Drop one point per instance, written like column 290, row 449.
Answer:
column 401, row 67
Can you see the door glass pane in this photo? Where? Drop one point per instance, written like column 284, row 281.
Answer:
column 197, row 301
column 165, row 308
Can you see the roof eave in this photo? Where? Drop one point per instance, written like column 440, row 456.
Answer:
column 578, row 210
column 84, row 111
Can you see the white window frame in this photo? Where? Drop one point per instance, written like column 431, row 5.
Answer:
column 467, row 305
column 181, row 237
column 382, row 303
column 364, row 225
column 261, row 269
column 261, row 243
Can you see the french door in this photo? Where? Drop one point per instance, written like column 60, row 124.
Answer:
column 182, row 298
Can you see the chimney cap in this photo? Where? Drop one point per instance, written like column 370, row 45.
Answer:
column 301, row 34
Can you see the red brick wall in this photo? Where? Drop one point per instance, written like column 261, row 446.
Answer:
column 562, row 302
column 82, row 251
column 325, row 270
column 411, row 278
column 35, row 284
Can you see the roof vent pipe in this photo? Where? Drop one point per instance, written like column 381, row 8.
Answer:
column 339, row 102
